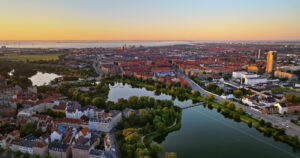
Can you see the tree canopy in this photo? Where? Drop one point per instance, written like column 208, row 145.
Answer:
column 292, row 98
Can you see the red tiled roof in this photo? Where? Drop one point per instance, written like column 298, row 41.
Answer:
column 84, row 131
column 58, row 131
column 59, row 107
column 40, row 116
column 68, row 120
column 292, row 104
column 161, row 69
column 14, row 133
column 49, row 98
column 68, row 136
column 40, row 144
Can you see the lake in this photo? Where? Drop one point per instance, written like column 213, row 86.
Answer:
column 207, row 134
column 40, row 78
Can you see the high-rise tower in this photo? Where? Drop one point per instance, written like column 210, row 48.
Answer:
column 271, row 62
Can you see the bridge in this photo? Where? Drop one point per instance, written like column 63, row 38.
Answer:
column 232, row 84
column 189, row 106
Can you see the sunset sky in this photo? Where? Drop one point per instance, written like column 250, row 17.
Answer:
column 149, row 20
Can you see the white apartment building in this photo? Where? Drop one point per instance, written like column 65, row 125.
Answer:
column 106, row 122
column 77, row 112
column 238, row 74
column 253, row 79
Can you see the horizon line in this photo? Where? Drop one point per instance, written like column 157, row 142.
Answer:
column 157, row 40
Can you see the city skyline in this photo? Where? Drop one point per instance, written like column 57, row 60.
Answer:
column 150, row 20
column 149, row 78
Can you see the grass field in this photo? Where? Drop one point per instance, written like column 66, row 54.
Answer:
column 33, row 57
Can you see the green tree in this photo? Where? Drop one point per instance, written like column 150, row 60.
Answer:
column 46, row 156
column 292, row 98
column 236, row 117
column 36, row 156
column 209, row 79
column 238, row 93
column 133, row 99
column 281, row 131
column 85, row 118
column 18, row 153
column 9, row 151
column 211, row 87
column 170, row 155
column 219, row 109
column 218, row 91
column 155, row 147
column 211, row 97
column 196, row 93
column 45, row 89
column 227, row 77
column 87, row 100
column 278, row 89
column 38, row 132
column 230, row 106
column 7, row 128
column 157, row 86
column 249, row 124
column 22, row 81
column 239, row 110
column 142, row 152
column 131, row 135
column 269, row 124
column 224, row 103
column 19, row 106
column 262, row 122
column 26, row 155
column 1, row 150
column 142, row 112
column 159, row 125
column 98, row 102
column 40, row 96
column 27, row 129
column 283, row 79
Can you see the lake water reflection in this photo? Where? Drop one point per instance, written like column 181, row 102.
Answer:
column 207, row 134
column 40, row 78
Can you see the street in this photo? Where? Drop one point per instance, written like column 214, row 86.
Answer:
column 97, row 69
column 291, row 129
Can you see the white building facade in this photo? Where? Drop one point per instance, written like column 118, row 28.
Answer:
column 238, row 74
column 105, row 124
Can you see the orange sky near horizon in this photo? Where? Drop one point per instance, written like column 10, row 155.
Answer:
column 34, row 21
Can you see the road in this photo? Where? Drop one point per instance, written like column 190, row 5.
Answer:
column 97, row 69
column 291, row 129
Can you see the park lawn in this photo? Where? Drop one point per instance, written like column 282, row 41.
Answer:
column 31, row 57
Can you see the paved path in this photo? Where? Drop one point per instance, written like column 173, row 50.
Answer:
column 189, row 106
column 291, row 128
